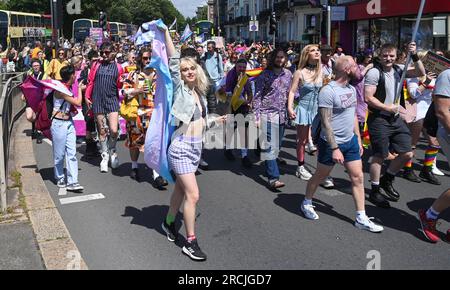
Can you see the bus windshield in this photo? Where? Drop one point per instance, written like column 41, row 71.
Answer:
column 3, row 28
column 81, row 29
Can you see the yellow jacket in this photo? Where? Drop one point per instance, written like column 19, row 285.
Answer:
column 54, row 67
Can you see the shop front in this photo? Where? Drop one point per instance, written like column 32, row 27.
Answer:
column 377, row 22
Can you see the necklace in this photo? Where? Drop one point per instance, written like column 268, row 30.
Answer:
column 311, row 66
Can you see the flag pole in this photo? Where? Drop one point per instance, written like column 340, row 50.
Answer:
column 408, row 59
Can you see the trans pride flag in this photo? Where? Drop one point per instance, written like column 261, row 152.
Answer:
column 159, row 131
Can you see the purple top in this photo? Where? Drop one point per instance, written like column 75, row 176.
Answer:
column 271, row 94
column 232, row 81
column 358, row 83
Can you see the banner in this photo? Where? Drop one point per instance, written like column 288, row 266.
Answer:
column 97, row 35
column 435, row 63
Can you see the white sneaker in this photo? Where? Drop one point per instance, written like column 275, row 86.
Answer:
column 309, row 212
column 436, row 170
column 311, row 148
column 328, row 183
column 114, row 160
column 104, row 162
column 203, row 163
column 367, row 224
column 303, row 173
column 75, row 187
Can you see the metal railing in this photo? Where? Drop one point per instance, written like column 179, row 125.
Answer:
column 11, row 107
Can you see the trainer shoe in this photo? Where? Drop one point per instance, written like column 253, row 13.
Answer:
column 203, row 165
column 75, row 187
column 309, row 212
column 134, row 174
column 170, row 231
column 303, row 173
column 193, row 251
column 246, row 162
column 436, row 170
column 114, row 160
column 104, row 162
column 366, row 224
column 229, row 155
column 61, row 183
column 428, row 227
column 311, row 148
column 328, row 183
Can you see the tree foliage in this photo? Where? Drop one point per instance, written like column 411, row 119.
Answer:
column 126, row 11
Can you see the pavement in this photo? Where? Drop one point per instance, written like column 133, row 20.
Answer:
column 115, row 223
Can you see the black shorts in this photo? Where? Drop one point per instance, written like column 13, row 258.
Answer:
column 388, row 132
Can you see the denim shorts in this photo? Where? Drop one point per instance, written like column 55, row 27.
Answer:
column 350, row 150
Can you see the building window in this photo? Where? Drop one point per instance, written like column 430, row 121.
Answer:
column 424, row 38
column 363, row 39
column 384, row 30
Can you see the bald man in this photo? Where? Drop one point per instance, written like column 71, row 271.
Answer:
column 339, row 142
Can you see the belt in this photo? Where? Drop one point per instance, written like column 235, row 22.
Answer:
column 60, row 119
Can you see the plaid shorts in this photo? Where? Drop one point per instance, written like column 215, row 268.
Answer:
column 184, row 155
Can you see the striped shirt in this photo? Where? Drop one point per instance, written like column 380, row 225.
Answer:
column 105, row 94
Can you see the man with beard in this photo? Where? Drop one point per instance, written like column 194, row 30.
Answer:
column 339, row 142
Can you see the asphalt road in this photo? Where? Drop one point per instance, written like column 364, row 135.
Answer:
column 243, row 225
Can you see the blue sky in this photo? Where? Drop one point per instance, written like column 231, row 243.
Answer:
column 188, row 7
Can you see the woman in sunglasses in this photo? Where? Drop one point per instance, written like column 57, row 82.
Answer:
column 56, row 64
column 140, row 85
column 105, row 81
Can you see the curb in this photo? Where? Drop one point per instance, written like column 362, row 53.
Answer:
column 58, row 250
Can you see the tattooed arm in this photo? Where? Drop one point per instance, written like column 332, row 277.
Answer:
column 325, row 115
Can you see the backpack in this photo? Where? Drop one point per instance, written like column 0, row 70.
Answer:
column 44, row 115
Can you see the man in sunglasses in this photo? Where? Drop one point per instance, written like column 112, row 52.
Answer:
column 105, row 81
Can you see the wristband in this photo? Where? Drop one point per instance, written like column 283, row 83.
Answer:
column 415, row 58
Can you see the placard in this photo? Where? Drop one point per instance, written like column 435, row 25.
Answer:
column 435, row 63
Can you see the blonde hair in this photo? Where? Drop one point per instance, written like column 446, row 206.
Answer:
column 201, row 80
column 304, row 58
column 75, row 59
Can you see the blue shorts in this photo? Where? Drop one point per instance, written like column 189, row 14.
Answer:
column 350, row 150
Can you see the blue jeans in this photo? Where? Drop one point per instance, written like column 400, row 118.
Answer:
column 270, row 154
column 64, row 145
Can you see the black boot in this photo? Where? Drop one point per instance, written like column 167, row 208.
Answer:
column 386, row 184
column 134, row 174
column 229, row 155
column 377, row 199
column 409, row 174
column 91, row 149
column 427, row 175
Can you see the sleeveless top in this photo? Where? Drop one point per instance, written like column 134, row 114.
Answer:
column 57, row 103
column 307, row 104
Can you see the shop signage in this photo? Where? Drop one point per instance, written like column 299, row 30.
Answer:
column 390, row 8
column 435, row 63
column 16, row 32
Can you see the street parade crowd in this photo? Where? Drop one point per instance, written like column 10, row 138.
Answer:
column 340, row 105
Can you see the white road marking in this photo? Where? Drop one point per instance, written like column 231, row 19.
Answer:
column 81, row 198
column 62, row 191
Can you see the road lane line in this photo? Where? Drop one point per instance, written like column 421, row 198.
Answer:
column 62, row 191
column 81, row 198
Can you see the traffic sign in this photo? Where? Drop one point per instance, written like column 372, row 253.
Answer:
column 254, row 25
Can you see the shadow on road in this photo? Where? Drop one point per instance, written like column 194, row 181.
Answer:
column 152, row 217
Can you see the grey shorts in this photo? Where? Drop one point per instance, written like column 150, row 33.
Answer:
column 388, row 133
column 184, row 155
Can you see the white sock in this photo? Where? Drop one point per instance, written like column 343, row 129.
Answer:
column 360, row 215
column 134, row 165
column 307, row 201
column 155, row 174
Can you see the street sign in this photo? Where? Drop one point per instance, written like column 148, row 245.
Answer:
column 253, row 26
column 338, row 13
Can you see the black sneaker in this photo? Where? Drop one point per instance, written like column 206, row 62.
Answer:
column 377, row 199
column 427, row 175
column 159, row 183
column 170, row 231
column 91, row 149
column 229, row 155
column 246, row 162
column 193, row 251
column 409, row 174
column 386, row 185
column 134, row 174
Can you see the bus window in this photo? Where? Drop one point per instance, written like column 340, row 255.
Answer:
column 29, row 21
column 3, row 28
column 21, row 20
column 37, row 21
column 14, row 21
